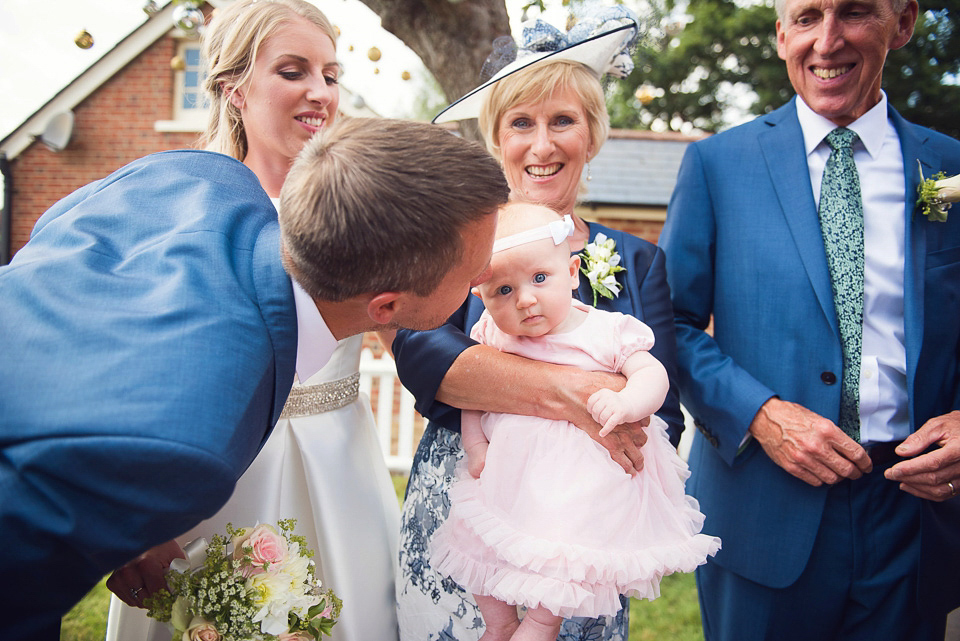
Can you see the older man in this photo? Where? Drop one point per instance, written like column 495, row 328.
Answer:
column 834, row 351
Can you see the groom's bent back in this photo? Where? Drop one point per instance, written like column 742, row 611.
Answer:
column 149, row 342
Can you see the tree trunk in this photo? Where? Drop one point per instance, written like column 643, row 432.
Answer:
column 452, row 38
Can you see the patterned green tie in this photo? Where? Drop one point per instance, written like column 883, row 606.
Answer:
column 841, row 223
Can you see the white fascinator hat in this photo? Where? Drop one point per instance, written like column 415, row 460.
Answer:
column 600, row 41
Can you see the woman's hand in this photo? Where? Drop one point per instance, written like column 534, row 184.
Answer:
column 623, row 443
column 486, row 379
column 145, row 575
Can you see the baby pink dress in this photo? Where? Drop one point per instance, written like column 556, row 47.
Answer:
column 553, row 521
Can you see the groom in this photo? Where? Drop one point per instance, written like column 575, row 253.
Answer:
column 150, row 332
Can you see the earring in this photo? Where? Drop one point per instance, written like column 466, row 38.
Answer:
column 589, row 175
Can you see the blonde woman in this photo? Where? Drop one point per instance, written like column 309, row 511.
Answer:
column 272, row 79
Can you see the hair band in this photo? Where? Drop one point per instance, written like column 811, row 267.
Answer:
column 558, row 230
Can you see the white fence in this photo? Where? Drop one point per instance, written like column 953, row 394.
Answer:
column 399, row 425
column 396, row 429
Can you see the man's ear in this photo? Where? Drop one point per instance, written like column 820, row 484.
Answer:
column 383, row 307
column 575, row 271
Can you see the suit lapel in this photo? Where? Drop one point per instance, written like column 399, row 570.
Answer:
column 783, row 151
column 914, row 149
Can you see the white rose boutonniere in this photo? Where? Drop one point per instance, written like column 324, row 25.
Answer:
column 937, row 194
column 601, row 262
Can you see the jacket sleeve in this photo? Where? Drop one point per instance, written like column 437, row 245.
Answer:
column 423, row 358
column 722, row 397
column 658, row 315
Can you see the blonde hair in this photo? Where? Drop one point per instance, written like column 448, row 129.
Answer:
column 230, row 45
column 378, row 205
column 537, row 83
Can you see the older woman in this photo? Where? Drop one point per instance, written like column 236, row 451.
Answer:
column 544, row 118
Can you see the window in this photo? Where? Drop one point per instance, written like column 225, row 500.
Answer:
column 190, row 103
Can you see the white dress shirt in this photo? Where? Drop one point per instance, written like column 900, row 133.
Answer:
column 883, row 368
column 315, row 342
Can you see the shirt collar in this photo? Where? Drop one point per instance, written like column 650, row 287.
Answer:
column 871, row 127
column 315, row 342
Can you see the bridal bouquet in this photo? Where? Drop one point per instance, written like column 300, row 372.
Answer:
column 262, row 588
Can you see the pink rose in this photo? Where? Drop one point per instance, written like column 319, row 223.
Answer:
column 264, row 545
column 294, row 636
column 200, row 630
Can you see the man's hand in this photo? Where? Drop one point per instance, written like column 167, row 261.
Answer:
column 807, row 445
column 930, row 475
column 142, row 577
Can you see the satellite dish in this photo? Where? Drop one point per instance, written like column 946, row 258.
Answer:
column 56, row 136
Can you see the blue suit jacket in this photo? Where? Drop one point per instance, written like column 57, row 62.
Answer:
column 149, row 342
column 423, row 358
column 743, row 244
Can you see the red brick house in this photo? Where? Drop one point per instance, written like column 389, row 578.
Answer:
column 130, row 103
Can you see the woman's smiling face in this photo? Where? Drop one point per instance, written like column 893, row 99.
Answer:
column 544, row 146
column 292, row 93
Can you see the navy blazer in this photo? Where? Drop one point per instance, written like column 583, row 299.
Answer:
column 775, row 332
column 423, row 358
column 149, row 343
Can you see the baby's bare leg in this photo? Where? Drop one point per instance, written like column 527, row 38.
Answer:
column 500, row 619
column 538, row 624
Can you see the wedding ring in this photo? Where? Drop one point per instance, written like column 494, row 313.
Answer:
column 134, row 593
column 953, row 490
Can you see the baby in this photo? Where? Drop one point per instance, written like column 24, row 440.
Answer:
column 542, row 517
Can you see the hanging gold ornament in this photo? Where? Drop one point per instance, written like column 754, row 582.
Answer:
column 336, row 29
column 405, row 75
column 645, row 94
column 84, row 40
column 177, row 63
column 350, row 48
column 373, row 54
column 376, row 70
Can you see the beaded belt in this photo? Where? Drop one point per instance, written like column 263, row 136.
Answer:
column 305, row 400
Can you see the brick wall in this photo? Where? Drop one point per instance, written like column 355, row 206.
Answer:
column 112, row 127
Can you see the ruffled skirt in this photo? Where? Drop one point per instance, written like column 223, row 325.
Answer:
column 554, row 522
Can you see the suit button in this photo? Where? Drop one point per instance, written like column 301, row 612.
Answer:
column 828, row 377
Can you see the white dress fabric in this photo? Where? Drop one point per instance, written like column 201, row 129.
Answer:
column 327, row 471
column 520, row 532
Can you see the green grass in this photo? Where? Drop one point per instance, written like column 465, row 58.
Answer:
column 675, row 616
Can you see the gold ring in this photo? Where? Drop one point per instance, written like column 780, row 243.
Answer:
column 953, row 490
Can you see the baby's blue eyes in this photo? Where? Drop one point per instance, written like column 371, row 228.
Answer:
column 504, row 290
column 539, row 278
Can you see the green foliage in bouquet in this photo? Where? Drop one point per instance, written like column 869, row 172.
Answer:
column 265, row 587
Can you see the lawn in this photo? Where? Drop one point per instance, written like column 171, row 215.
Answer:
column 675, row 616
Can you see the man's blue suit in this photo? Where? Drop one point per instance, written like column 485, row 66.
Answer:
column 743, row 243
column 148, row 345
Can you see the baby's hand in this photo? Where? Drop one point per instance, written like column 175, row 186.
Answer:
column 608, row 409
column 476, row 459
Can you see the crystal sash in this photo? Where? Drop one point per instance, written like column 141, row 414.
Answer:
column 305, row 400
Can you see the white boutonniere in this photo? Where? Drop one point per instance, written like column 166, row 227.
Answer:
column 937, row 194
column 601, row 262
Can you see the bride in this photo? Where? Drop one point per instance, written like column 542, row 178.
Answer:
column 272, row 80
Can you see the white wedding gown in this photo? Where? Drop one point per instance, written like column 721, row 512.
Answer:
column 327, row 471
